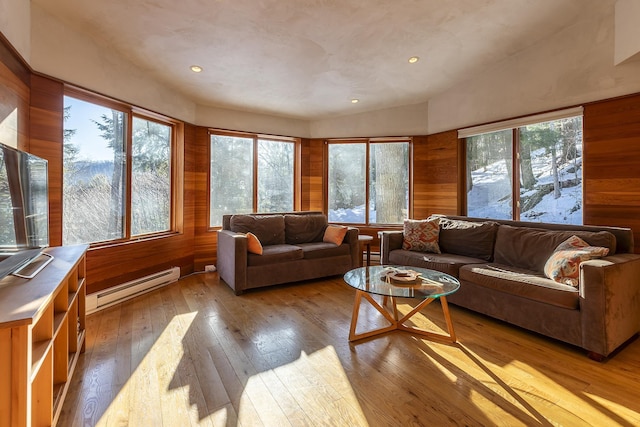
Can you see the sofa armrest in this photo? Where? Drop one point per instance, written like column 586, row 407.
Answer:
column 609, row 301
column 389, row 241
column 232, row 259
column 354, row 246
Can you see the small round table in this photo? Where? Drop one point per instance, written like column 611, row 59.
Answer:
column 431, row 285
column 365, row 243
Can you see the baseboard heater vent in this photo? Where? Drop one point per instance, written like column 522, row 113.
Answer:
column 117, row 294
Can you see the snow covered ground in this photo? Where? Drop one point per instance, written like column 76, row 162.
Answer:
column 490, row 196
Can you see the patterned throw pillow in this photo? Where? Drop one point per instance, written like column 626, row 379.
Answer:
column 421, row 235
column 563, row 266
column 574, row 242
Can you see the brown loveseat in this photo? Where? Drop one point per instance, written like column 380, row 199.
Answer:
column 293, row 249
column 500, row 265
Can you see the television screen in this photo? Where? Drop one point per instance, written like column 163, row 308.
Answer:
column 24, row 208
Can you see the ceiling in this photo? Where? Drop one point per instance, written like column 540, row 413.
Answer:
column 308, row 59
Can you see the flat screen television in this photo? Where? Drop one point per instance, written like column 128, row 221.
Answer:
column 24, row 209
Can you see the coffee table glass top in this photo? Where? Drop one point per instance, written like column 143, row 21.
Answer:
column 430, row 283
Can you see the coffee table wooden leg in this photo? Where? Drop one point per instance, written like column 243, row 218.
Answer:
column 447, row 318
column 353, row 336
column 398, row 324
column 450, row 338
column 354, row 316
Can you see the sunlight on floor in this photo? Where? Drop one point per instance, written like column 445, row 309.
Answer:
column 154, row 368
column 318, row 378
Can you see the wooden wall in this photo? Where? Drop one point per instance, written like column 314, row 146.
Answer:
column 46, row 128
column 14, row 98
column 114, row 264
column 436, row 174
column 206, row 240
column 312, row 198
column 611, row 163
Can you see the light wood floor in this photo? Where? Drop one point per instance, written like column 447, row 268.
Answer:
column 193, row 354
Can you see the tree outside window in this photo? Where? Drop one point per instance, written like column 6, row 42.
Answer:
column 235, row 159
column 548, row 167
column 385, row 164
column 95, row 174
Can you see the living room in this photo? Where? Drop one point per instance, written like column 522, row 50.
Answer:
column 577, row 64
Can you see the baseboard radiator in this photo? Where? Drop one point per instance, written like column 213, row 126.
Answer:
column 117, row 294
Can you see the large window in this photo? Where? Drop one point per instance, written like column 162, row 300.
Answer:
column 542, row 182
column 368, row 181
column 150, row 177
column 104, row 198
column 250, row 173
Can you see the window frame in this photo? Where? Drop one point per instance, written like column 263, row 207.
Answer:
column 514, row 125
column 368, row 142
column 296, row 184
column 175, row 163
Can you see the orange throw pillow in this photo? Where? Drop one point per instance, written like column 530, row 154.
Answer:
column 334, row 234
column 253, row 244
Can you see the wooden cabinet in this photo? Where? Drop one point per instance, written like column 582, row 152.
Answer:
column 42, row 331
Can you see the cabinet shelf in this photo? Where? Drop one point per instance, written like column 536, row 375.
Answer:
column 39, row 351
column 42, row 343
column 58, row 319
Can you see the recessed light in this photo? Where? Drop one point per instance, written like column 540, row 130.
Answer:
column 196, row 68
column 355, row 101
column 413, row 59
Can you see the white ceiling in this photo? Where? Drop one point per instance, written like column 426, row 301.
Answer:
column 308, row 58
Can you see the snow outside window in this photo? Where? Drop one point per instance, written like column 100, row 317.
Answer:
column 548, row 168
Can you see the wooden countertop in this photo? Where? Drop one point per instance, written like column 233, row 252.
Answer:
column 23, row 300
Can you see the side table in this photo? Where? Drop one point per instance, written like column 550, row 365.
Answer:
column 365, row 243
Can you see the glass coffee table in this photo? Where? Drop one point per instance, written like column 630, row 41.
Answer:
column 393, row 282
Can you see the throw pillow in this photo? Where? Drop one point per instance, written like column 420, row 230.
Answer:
column 574, row 242
column 563, row 266
column 335, row 234
column 421, row 235
column 253, row 244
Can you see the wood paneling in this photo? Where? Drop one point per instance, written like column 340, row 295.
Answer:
column 46, row 123
column 206, row 239
column 312, row 175
column 14, row 109
column 12, row 60
column 611, row 163
column 435, row 174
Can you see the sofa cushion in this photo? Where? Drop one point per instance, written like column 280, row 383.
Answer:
column 563, row 266
column 304, row 228
column 334, row 234
column 521, row 282
column 253, row 244
column 530, row 248
column 269, row 229
column 317, row 250
column 273, row 254
column 421, row 235
column 468, row 238
column 447, row 263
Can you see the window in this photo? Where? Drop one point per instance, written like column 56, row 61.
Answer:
column 97, row 180
column 368, row 181
column 250, row 173
column 150, row 177
column 542, row 182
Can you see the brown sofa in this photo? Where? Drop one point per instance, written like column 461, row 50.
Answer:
column 293, row 249
column 500, row 265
